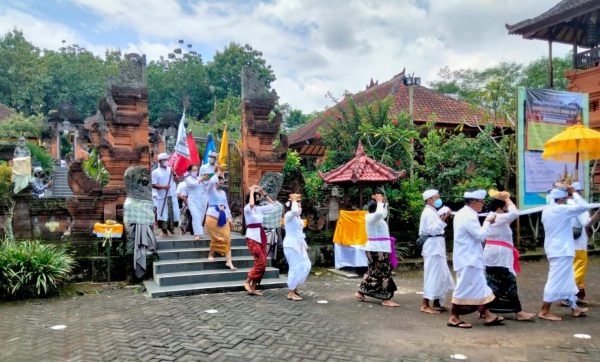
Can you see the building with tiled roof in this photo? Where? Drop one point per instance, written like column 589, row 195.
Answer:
column 448, row 111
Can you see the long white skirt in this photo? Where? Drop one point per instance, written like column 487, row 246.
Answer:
column 299, row 264
column 197, row 207
column 471, row 287
column 437, row 280
column 561, row 280
column 164, row 216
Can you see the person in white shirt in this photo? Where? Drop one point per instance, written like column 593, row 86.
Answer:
column 294, row 247
column 377, row 281
column 580, row 224
column 437, row 280
column 471, row 292
column 167, row 210
column 211, row 166
column 218, row 219
column 185, row 218
column 502, row 258
column 256, row 239
column 197, row 200
column 560, row 251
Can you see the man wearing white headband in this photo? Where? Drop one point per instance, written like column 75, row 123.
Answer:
column 167, row 210
column 209, row 167
column 581, row 240
column 472, row 292
column 559, row 247
column 437, row 280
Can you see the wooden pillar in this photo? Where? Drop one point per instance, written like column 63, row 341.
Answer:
column 550, row 70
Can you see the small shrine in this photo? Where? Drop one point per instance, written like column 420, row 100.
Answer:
column 350, row 231
column 361, row 171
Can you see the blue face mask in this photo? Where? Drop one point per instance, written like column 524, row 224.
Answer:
column 438, row 203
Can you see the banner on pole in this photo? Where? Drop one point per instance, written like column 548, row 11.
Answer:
column 543, row 113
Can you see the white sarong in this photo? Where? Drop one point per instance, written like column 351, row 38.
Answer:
column 197, row 207
column 471, row 287
column 299, row 267
column 164, row 216
column 561, row 280
column 437, row 280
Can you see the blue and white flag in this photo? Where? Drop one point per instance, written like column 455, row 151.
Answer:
column 210, row 146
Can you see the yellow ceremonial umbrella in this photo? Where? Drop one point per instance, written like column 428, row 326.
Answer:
column 573, row 144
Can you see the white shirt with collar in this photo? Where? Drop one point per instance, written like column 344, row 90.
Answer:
column 378, row 228
column 558, row 227
column 432, row 224
column 468, row 238
column 161, row 176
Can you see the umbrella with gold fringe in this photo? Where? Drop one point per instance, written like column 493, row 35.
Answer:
column 574, row 144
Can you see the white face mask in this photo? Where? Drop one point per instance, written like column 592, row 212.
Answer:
column 195, row 173
column 211, row 160
column 163, row 163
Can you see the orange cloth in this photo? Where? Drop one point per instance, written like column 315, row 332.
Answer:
column 351, row 228
column 104, row 230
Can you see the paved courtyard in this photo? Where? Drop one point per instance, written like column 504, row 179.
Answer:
column 124, row 325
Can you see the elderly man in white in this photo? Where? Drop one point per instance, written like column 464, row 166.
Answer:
column 164, row 185
column 560, row 251
column 471, row 292
column 437, row 280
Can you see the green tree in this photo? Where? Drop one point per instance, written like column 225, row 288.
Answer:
column 76, row 76
column 22, row 74
column 170, row 80
column 224, row 72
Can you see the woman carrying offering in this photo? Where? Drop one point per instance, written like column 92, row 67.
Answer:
column 294, row 247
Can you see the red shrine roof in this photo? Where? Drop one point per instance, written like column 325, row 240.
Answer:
column 448, row 110
column 361, row 169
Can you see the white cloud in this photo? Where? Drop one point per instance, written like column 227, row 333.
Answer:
column 44, row 33
column 320, row 46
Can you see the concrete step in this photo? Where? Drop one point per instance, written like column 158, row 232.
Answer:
column 190, row 265
column 156, row 291
column 191, row 243
column 197, row 253
column 209, row 276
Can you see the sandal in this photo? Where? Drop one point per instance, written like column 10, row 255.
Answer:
column 496, row 322
column 460, row 324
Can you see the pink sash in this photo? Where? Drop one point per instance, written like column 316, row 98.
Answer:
column 516, row 265
column 393, row 258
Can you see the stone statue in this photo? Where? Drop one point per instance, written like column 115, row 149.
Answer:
column 133, row 71
column 138, row 215
column 137, row 183
column 22, row 150
column 271, row 182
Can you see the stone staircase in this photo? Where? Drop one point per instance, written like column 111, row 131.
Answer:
column 184, row 269
column 60, row 186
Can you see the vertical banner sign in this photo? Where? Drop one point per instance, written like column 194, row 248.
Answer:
column 544, row 113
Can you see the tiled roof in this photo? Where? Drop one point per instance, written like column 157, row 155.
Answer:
column 361, row 169
column 565, row 22
column 449, row 111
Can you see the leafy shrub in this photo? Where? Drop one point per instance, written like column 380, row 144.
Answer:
column 32, row 269
column 17, row 125
column 94, row 168
column 42, row 156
